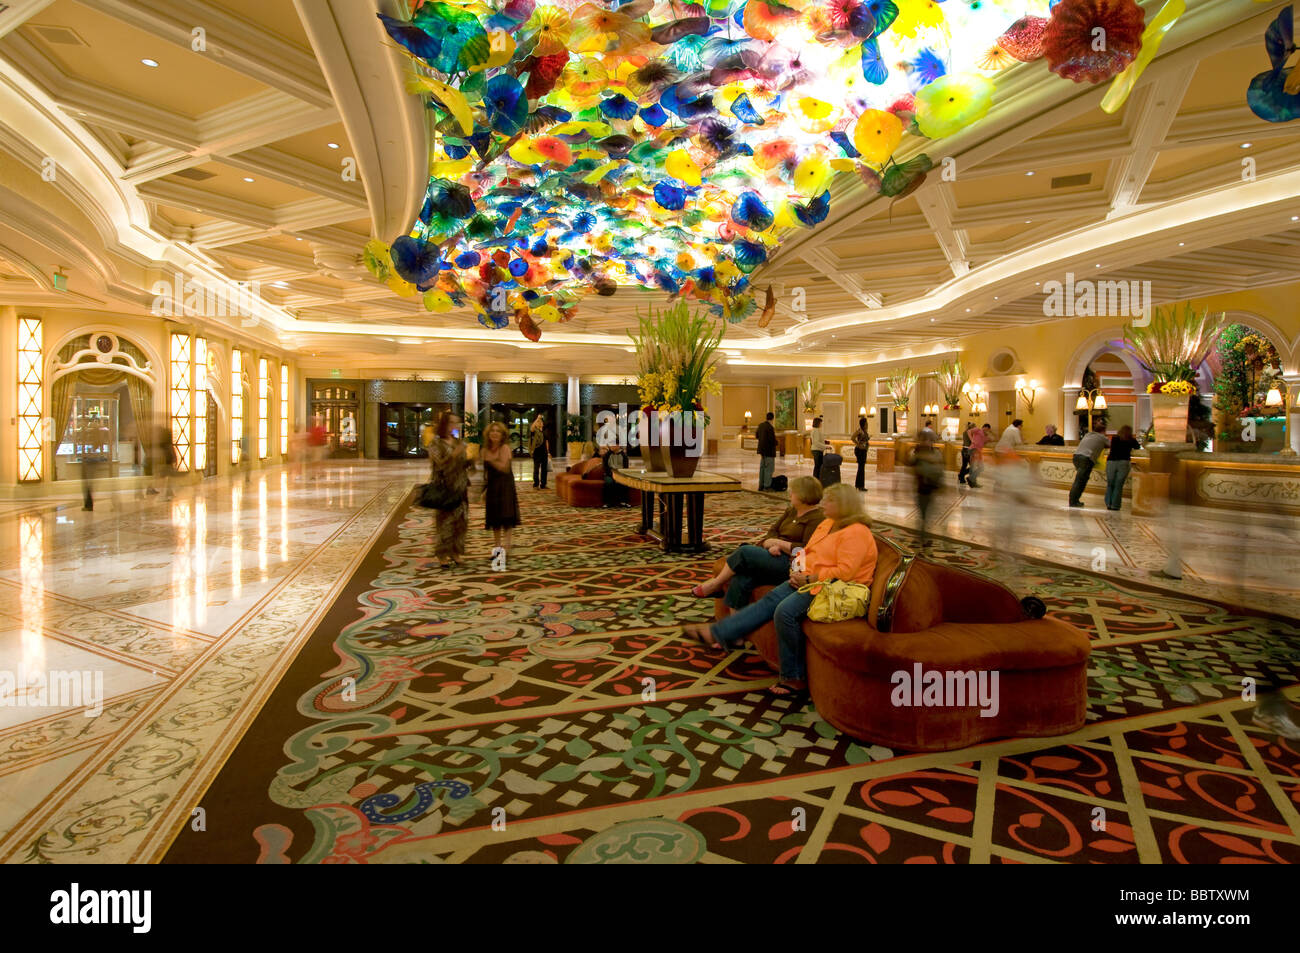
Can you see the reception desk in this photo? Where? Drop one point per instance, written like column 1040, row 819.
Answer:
column 1262, row 483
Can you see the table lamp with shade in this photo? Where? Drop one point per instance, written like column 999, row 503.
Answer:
column 745, row 427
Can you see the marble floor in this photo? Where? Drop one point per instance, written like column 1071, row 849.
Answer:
column 203, row 600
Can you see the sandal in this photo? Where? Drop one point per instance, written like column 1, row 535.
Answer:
column 796, row 696
column 699, row 593
column 703, row 634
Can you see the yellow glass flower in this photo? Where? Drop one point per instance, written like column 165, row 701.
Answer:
column 551, row 28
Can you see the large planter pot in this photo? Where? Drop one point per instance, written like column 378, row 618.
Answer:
column 681, row 463
column 652, row 452
column 1169, row 417
column 900, row 420
column 683, row 443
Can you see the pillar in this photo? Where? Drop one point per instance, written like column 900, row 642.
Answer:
column 471, row 392
column 1292, row 411
column 1069, row 422
column 575, row 399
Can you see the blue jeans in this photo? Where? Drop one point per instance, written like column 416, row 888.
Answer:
column 753, row 566
column 787, row 607
column 1116, row 476
column 766, row 467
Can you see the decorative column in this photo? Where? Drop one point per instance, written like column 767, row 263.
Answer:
column 575, row 398
column 471, row 392
column 1292, row 382
column 1069, row 422
column 32, row 436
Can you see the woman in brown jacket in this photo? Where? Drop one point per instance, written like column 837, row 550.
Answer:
column 768, row 561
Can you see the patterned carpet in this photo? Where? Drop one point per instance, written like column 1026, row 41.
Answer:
column 550, row 713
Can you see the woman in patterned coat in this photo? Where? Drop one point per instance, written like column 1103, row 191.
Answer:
column 449, row 468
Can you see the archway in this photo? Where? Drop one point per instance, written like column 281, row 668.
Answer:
column 101, row 407
column 1247, row 366
column 1102, row 362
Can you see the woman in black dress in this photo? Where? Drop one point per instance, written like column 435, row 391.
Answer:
column 499, row 495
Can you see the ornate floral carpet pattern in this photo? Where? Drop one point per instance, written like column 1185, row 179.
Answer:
column 552, row 713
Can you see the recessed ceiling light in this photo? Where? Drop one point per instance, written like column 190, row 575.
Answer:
column 968, row 310
column 297, row 238
column 279, row 284
column 1246, row 145
column 332, row 145
column 248, row 178
column 932, row 320
column 1181, row 244
column 149, row 63
column 1029, row 221
column 1096, row 266
column 995, row 297
column 1037, row 283
column 1295, row 218
column 1029, row 173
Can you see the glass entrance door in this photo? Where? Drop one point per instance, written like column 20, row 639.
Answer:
column 518, row 419
column 400, row 427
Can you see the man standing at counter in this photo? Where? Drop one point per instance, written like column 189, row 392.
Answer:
column 1086, row 455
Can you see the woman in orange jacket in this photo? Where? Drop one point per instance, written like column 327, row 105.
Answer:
column 841, row 548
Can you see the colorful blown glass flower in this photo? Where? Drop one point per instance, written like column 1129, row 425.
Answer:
column 580, row 147
column 1092, row 40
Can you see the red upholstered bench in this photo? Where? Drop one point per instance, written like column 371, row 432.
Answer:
column 582, row 484
column 950, row 621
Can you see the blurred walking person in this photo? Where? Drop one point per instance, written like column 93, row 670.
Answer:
column 93, row 438
column 979, row 436
column 449, row 467
column 926, row 462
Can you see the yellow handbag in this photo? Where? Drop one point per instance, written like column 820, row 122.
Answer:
column 836, row 600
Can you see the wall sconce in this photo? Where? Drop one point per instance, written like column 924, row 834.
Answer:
column 871, row 412
column 977, row 396
column 1027, row 392
column 747, row 416
column 862, row 411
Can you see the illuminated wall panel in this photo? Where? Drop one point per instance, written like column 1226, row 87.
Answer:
column 181, row 401
column 236, row 402
column 31, row 406
column 284, row 409
column 200, row 404
column 263, row 409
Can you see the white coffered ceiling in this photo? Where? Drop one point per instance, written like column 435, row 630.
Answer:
column 155, row 166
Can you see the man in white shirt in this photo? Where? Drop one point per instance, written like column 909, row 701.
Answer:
column 1011, row 437
column 1086, row 455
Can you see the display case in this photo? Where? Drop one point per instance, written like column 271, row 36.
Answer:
column 90, row 437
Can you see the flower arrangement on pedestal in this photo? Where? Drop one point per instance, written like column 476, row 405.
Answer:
column 900, row 385
column 1172, row 348
column 810, row 392
column 952, row 375
column 677, row 359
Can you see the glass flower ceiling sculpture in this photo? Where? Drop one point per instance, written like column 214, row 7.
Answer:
column 579, row 148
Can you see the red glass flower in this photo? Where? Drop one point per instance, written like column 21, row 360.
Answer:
column 1092, row 40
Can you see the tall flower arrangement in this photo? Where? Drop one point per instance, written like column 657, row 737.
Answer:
column 900, row 385
column 952, row 374
column 1175, row 344
column 677, row 356
column 810, row 392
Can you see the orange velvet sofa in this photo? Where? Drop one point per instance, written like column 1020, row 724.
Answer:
column 582, row 484
column 861, row 672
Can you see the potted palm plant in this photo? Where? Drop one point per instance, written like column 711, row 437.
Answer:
column 1172, row 348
